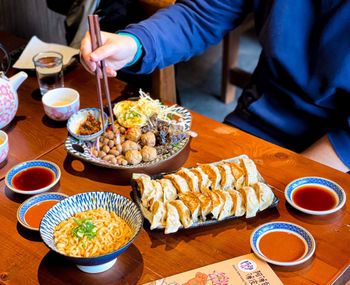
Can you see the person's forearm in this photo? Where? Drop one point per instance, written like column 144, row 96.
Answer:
column 322, row 151
column 185, row 29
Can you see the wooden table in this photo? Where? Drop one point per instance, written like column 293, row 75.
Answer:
column 24, row 259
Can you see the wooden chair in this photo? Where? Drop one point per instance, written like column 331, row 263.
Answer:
column 233, row 76
column 163, row 80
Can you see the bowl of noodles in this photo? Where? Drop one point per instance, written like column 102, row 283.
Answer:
column 91, row 229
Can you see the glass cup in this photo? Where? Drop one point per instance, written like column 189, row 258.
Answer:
column 49, row 70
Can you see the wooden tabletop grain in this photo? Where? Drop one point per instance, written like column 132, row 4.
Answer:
column 24, row 259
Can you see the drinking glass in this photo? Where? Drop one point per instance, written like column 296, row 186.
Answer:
column 49, row 70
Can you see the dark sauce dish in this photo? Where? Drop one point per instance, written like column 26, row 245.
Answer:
column 32, row 177
column 315, row 195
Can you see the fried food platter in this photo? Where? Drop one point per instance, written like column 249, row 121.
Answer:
column 179, row 150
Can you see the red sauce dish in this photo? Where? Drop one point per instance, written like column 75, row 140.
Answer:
column 32, row 177
column 32, row 210
column 315, row 195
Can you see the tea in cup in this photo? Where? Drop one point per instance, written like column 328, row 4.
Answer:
column 61, row 103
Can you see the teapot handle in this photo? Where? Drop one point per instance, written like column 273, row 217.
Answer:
column 5, row 59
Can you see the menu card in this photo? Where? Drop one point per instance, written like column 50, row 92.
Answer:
column 246, row 270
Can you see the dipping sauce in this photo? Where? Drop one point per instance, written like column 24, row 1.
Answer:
column 1, row 141
column 315, row 198
column 33, row 178
column 35, row 213
column 61, row 103
column 282, row 246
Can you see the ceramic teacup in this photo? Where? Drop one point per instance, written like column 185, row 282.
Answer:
column 4, row 146
column 61, row 103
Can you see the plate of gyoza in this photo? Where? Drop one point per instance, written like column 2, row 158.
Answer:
column 202, row 195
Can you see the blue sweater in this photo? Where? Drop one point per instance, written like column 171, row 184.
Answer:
column 300, row 89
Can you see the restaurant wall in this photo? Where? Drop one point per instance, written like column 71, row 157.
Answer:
column 25, row 18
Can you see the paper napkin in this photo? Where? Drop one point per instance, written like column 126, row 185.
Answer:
column 35, row 45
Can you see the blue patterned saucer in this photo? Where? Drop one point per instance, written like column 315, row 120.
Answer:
column 302, row 233
column 35, row 200
column 333, row 187
column 122, row 206
column 30, row 164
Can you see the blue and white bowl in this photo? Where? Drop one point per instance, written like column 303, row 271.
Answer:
column 79, row 117
column 318, row 181
column 305, row 235
column 123, row 207
column 29, row 164
column 35, row 200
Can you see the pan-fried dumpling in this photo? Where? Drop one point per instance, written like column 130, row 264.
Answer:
column 213, row 173
column 144, row 184
column 192, row 203
column 205, row 204
column 227, row 207
column 250, row 171
column 172, row 222
column 190, row 177
column 179, row 183
column 203, row 179
column 156, row 193
column 265, row 195
column 184, row 213
column 217, row 203
column 237, row 173
column 158, row 215
column 169, row 190
column 150, row 190
column 251, row 201
column 226, row 176
column 238, row 208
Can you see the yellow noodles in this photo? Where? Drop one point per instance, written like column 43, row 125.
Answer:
column 112, row 233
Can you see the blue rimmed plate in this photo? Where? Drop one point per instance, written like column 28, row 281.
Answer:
column 336, row 193
column 33, row 202
column 79, row 117
column 290, row 228
column 48, row 165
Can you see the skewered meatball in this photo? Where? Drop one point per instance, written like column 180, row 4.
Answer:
column 148, row 153
column 133, row 134
column 133, row 156
column 130, row 145
column 148, row 139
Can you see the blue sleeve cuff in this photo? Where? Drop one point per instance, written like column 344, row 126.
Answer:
column 139, row 48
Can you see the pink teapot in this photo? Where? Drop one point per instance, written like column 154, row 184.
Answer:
column 8, row 96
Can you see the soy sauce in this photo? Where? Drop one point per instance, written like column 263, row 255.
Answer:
column 33, row 178
column 315, row 198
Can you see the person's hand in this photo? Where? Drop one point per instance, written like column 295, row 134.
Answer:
column 116, row 51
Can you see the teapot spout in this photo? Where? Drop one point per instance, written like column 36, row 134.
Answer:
column 17, row 79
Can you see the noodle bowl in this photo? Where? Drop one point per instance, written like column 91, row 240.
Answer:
column 103, row 224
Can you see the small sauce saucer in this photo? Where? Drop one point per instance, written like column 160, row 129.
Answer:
column 278, row 250
column 321, row 196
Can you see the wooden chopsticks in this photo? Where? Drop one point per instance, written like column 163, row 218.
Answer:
column 96, row 42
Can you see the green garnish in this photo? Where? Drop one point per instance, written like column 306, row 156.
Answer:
column 84, row 228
